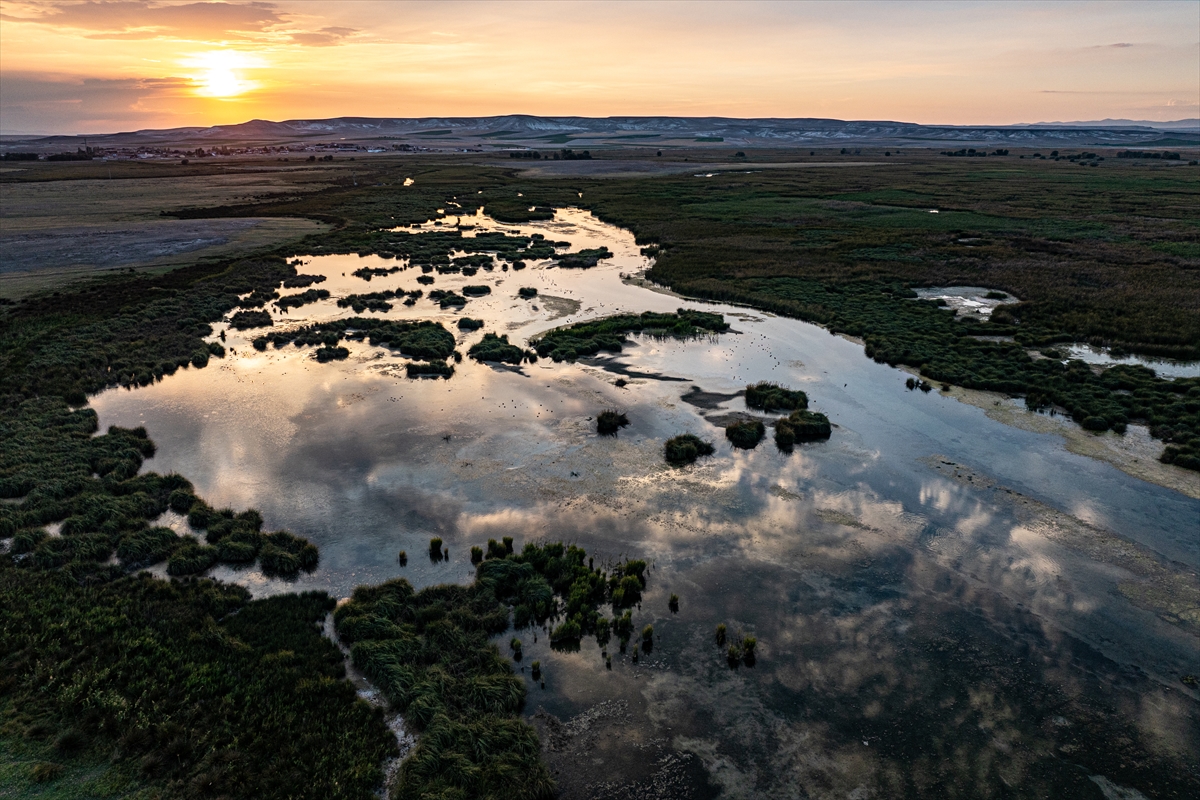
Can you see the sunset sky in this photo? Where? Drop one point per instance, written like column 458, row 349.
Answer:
column 108, row 65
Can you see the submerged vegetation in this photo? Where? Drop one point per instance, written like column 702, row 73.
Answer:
column 685, row 449
column 611, row 333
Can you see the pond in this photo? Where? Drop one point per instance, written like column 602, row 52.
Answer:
column 904, row 579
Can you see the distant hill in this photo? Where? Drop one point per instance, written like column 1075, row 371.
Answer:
column 521, row 130
column 1175, row 125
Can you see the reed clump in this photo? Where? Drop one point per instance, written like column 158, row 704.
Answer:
column 745, row 433
column 773, row 397
column 801, row 426
column 685, row 449
column 610, row 421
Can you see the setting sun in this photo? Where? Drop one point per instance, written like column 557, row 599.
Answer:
column 220, row 73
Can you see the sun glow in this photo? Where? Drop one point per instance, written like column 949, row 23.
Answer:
column 219, row 73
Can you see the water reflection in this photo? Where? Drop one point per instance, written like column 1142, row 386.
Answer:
column 920, row 522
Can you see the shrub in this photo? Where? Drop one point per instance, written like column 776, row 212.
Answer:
column 527, row 292
column 746, row 433
column 435, row 549
column 685, row 449
column 673, row 603
column 721, row 633
column 469, row 324
column 476, row 291
column 610, row 421
column 648, row 633
column 476, row 554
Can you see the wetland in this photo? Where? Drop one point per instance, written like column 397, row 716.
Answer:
column 912, row 598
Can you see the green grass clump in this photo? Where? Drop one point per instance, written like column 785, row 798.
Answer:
column 610, row 334
column 773, row 397
column 527, row 292
column 468, row 324
column 721, row 633
column 285, row 554
column 191, row 558
column 244, row 320
column 476, row 290
column 801, row 426
column 497, row 348
column 685, row 449
column 673, row 603
column 746, row 433
column 610, row 421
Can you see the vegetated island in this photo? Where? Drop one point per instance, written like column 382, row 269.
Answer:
column 679, row 451
column 799, row 426
column 420, row 340
column 611, row 333
column 497, row 348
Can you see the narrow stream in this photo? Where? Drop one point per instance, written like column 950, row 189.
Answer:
column 921, row 518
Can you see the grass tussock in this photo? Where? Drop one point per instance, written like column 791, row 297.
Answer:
column 684, row 449
column 801, row 426
column 610, row 421
column 746, row 433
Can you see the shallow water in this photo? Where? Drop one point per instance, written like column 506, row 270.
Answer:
column 920, row 521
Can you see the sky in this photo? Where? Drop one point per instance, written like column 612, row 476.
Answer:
column 96, row 66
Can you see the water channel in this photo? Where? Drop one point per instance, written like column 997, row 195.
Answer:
column 923, row 552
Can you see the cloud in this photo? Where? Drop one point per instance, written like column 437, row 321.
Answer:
column 145, row 19
column 150, row 19
column 324, row 37
column 61, row 103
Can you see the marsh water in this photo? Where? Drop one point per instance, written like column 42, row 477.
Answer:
column 939, row 599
